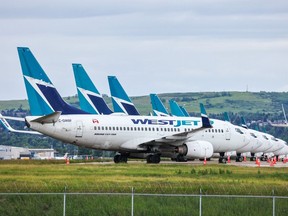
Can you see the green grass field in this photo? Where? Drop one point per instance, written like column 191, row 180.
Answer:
column 50, row 176
column 54, row 176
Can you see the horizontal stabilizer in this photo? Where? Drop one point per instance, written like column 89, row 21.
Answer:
column 11, row 129
column 51, row 118
column 13, row 118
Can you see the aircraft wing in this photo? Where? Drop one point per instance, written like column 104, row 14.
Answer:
column 172, row 140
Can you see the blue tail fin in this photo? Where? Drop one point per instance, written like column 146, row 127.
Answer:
column 90, row 99
column 121, row 101
column 175, row 109
column 184, row 111
column 157, row 106
column 42, row 96
column 226, row 117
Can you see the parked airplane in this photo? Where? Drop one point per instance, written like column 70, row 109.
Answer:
column 224, row 136
column 132, row 136
column 90, row 99
column 121, row 101
column 269, row 144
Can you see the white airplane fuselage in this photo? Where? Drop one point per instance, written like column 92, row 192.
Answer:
column 128, row 133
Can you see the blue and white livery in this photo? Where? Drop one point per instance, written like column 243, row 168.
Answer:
column 121, row 101
column 91, row 101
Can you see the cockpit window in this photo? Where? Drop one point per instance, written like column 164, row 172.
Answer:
column 238, row 130
column 253, row 135
column 274, row 139
column 265, row 137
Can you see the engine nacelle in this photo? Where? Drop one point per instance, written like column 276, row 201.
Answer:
column 196, row 149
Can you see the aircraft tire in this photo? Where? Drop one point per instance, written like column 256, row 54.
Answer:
column 222, row 160
column 181, row 158
column 118, row 158
column 153, row 158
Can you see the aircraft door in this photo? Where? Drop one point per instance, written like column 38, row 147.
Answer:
column 227, row 132
column 79, row 129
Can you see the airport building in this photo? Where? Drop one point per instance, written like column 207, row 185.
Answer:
column 12, row 152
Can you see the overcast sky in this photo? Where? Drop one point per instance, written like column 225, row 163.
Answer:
column 152, row 46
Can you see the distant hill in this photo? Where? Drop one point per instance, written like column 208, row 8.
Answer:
column 215, row 102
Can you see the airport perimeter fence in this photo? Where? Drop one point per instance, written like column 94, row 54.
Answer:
column 134, row 204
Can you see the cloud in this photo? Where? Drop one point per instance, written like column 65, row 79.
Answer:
column 152, row 46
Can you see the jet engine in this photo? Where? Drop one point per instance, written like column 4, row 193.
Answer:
column 196, row 149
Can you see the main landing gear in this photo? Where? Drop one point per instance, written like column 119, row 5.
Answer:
column 120, row 158
column 222, row 158
column 239, row 158
column 153, row 158
column 252, row 158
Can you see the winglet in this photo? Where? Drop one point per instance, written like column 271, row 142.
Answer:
column 51, row 118
column 5, row 124
column 205, row 120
